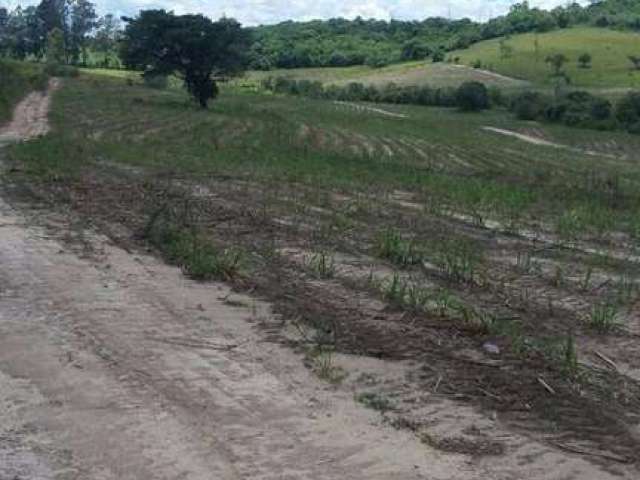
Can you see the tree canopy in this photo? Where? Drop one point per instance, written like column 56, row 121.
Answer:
column 25, row 31
column 339, row 42
column 335, row 42
column 192, row 46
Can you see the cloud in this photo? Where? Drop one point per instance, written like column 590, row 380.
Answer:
column 254, row 12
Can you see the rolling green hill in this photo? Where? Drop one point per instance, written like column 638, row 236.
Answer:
column 610, row 50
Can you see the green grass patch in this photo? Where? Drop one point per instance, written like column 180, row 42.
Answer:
column 609, row 49
column 442, row 156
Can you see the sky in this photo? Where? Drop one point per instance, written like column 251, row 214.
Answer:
column 255, row 12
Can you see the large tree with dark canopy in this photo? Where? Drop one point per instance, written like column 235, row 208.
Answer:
column 192, row 46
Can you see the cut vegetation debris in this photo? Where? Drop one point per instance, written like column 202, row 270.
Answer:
column 541, row 141
column 403, row 267
column 359, row 107
column 412, row 237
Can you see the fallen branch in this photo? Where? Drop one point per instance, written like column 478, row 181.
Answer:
column 546, row 386
column 489, row 394
column 579, row 451
column 606, row 359
column 197, row 344
column 435, row 389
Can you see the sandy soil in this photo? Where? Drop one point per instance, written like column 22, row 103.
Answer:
column 541, row 141
column 118, row 367
column 115, row 366
column 489, row 74
column 360, row 107
column 30, row 116
column 524, row 138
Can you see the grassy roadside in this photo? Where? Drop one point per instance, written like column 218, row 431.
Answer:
column 16, row 80
column 464, row 236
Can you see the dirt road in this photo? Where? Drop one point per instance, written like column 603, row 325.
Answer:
column 115, row 366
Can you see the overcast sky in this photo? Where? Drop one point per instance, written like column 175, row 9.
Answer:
column 253, row 12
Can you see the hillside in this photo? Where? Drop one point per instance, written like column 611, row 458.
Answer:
column 610, row 50
column 405, row 74
column 339, row 42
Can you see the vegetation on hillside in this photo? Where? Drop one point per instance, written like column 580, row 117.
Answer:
column 469, row 96
column 338, row 42
column 84, row 37
column 574, row 108
column 593, row 57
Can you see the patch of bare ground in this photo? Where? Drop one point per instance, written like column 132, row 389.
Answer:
column 173, row 371
column 114, row 366
column 536, row 137
column 358, row 107
column 511, row 387
column 494, row 407
column 30, row 116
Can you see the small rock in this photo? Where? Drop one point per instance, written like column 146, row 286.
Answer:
column 491, row 348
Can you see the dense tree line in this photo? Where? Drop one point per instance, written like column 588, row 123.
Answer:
column 61, row 30
column 580, row 109
column 470, row 96
column 340, row 42
column 337, row 42
column 575, row 109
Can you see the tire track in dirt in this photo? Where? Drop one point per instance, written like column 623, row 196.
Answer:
column 30, row 116
column 185, row 387
column 536, row 140
column 128, row 370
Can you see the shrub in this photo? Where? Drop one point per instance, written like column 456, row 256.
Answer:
column 472, row 97
column 58, row 70
column 354, row 91
column 310, row 88
column 585, row 60
column 582, row 109
column 445, row 97
column 378, row 60
column 635, row 60
column 160, row 82
column 529, row 105
column 285, row 85
column 634, row 128
column 601, row 109
column 496, row 97
column 438, row 56
column 628, row 110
